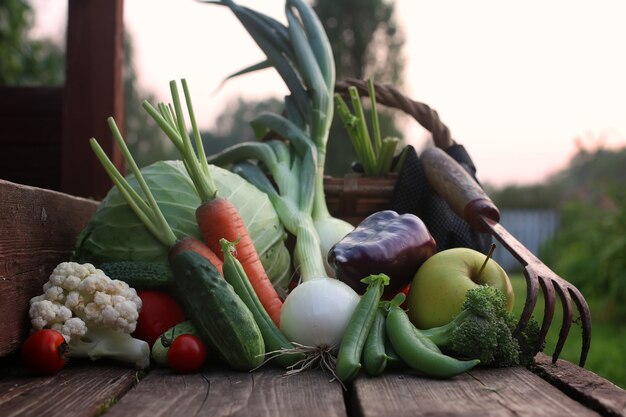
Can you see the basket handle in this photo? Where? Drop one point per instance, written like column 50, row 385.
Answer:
column 389, row 96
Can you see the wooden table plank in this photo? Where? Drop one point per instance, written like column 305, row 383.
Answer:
column 263, row 393
column 583, row 385
column 484, row 392
column 77, row 391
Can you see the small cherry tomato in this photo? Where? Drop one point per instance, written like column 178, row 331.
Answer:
column 159, row 312
column 186, row 354
column 44, row 351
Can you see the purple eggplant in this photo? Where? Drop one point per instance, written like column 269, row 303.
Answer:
column 384, row 243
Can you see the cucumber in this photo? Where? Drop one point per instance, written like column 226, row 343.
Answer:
column 140, row 275
column 162, row 344
column 224, row 322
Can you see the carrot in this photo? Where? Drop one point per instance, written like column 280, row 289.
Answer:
column 198, row 246
column 218, row 219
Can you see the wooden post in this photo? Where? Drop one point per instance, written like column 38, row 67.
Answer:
column 94, row 90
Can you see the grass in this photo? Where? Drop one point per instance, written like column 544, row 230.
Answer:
column 606, row 357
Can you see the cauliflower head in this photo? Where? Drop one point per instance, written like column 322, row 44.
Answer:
column 77, row 297
column 94, row 313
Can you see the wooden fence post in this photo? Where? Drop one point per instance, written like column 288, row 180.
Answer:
column 94, row 90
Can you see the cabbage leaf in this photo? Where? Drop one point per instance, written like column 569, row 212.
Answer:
column 114, row 233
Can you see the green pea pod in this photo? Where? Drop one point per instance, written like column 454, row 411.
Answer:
column 411, row 348
column 426, row 341
column 374, row 355
column 275, row 340
column 353, row 341
column 393, row 360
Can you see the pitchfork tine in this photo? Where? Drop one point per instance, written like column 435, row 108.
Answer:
column 566, row 301
column 548, row 312
column 585, row 316
column 532, row 290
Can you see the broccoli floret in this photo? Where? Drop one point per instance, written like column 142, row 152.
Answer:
column 484, row 330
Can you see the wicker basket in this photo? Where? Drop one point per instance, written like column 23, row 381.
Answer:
column 356, row 196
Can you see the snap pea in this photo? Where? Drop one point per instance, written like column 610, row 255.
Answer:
column 426, row 341
column 374, row 355
column 351, row 346
column 393, row 360
column 412, row 350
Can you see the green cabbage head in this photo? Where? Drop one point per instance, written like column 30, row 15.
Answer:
column 115, row 233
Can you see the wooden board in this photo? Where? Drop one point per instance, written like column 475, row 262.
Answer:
column 263, row 393
column 585, row 386
column 80, row 391
column 485, row 392
column 38, row 229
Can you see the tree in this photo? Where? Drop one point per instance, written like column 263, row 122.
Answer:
column 365, row 38
column 367, row 44
column 26, row 61
column 584, row 179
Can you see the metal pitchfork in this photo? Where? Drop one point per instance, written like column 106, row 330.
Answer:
column 468, row 200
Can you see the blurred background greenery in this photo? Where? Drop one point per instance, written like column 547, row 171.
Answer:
column 588, row 249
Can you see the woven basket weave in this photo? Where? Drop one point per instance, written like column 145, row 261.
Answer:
column 355, row 196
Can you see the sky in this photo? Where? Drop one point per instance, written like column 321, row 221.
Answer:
column 516, row 82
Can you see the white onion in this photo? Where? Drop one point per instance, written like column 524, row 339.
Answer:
column 316, row 312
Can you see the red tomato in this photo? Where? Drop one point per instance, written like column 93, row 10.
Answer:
column 159, row 312
column 186, row 354
column 43, row 352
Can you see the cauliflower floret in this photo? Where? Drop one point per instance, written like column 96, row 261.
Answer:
column 94, row 313
column 46, row 313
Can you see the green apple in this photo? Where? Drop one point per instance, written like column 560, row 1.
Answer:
column 438, row 289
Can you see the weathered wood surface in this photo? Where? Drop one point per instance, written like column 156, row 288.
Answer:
column 590, row 389
column 79, row 391
column 262, row 393
column 38, row 229
column 483, row 392
column 89, row 389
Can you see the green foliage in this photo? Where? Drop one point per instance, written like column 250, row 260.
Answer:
column 365, row 38
column 589, row 250
column 528, row 196
column 584, row 179
column 25, row 61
